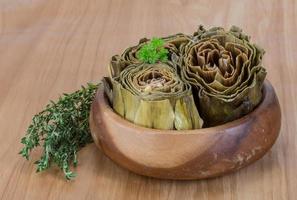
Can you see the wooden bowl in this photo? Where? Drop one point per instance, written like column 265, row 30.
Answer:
column 190, row 154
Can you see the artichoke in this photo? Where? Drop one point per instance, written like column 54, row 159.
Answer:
column 172, row 43
column 226, row 72
column 154, row 96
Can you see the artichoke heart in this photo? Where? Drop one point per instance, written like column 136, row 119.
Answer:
column 154, row 96
column 226, row 72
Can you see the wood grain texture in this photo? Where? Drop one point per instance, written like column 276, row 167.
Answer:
column 48, row 47
column 186, row 154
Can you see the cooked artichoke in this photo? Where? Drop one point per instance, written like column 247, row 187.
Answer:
column 173, row 44
column 226, row 72
column 154, row 96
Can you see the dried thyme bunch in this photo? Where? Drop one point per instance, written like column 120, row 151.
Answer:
column 62, row 129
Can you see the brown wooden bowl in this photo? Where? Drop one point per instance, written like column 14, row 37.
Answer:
column 190, row 154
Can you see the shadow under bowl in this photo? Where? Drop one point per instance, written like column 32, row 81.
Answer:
column 187, row 154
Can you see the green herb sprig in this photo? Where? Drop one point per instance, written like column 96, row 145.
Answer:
column 153, row 52
column 63, row 129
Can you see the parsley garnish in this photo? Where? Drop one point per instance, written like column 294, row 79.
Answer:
column 153, row 52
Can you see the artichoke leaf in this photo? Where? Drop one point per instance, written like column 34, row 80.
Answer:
column 155, row 114
column 131, row 104
column 118, row 100
column 186, row 114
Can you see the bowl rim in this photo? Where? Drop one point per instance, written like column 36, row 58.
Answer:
column 267, row 91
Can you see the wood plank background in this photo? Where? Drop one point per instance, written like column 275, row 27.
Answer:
column 48, row 47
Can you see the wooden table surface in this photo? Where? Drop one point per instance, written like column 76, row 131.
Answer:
column 48, row 47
